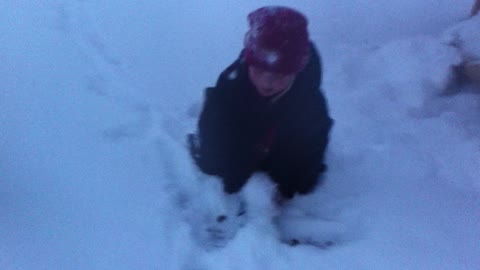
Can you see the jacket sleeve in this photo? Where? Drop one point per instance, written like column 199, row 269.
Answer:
column 313, row 148
column 314, row 156
column 301, row 162
column 220, row 151
column 310, row 151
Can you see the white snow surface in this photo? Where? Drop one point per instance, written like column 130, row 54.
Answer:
column 96, row 98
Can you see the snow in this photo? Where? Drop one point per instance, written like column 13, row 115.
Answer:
column 96, row 97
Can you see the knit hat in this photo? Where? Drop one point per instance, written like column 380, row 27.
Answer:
column 277, row 40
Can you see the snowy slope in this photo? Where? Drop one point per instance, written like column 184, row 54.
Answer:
column 96, row 96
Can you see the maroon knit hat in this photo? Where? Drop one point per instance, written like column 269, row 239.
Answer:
column 277, row 40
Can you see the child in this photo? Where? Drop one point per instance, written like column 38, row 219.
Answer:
column 266, row 112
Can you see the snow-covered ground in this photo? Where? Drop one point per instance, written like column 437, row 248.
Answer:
column 96, row 97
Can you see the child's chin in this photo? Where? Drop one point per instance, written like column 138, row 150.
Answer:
column 267, row 93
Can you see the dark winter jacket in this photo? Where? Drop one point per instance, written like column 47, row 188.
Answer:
column 240, row 132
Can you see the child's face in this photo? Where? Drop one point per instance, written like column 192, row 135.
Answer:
column 268, row 83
